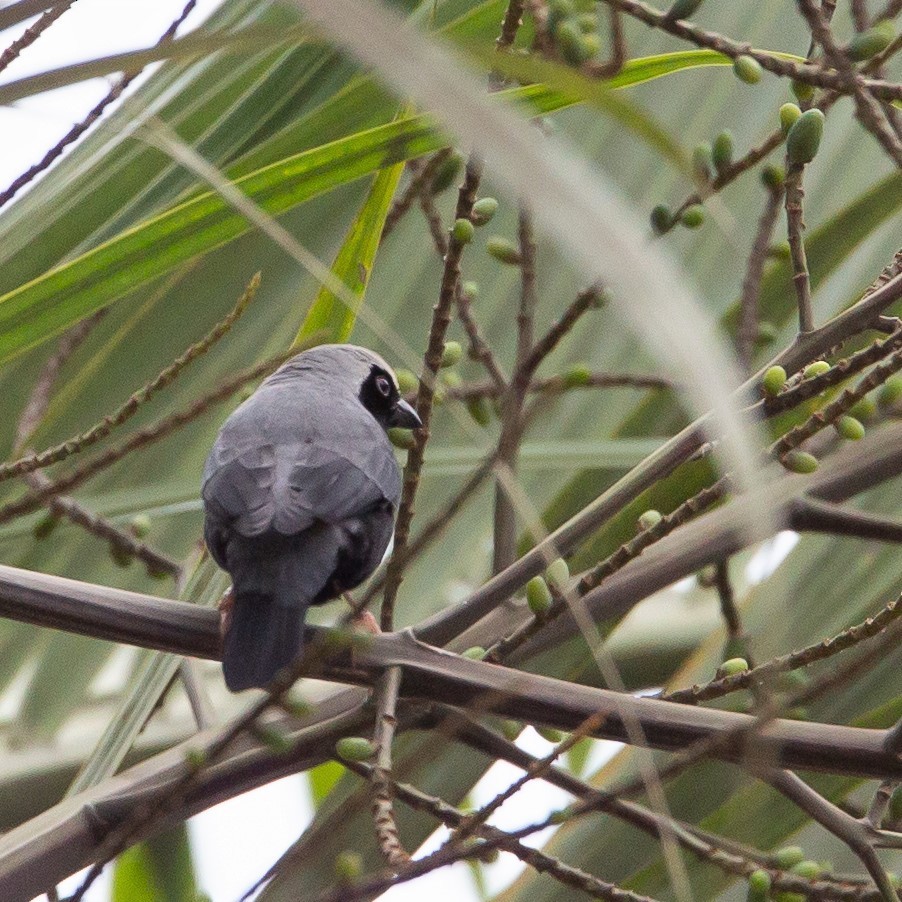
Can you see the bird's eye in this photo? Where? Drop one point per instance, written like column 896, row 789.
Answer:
column 383, row 386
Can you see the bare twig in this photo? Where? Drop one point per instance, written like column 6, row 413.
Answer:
column 441, row 319
column 96, row 112
column 856, row 835
column 479, row 347
column 102, row 429
column 141, row 437
column 422, row 175
column 380, row 775
column 32, row 33
column 747, row 331
column 764, row 673
column 794, row 227
column 512, row 424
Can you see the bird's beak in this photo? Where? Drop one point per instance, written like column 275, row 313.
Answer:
column 403, row 416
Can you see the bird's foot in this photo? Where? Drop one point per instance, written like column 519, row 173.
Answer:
column 225, row 605
column 366, row 623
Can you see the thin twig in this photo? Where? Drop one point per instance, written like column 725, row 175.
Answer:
column 96, row 112
column 126, row 411
column 542, row 862
column 855, row 834
column 764, row 673
column 505, row 518
column 121, row 542
column 816, row 75
column 142, row 437
column 614, row 562
column 867, row 110
column 441, row 319
column 736, row 635
column 421, row 181
column 794, row 228
column 387, row 836
column 479, row 347
column 747, row 331
column 828, row 414
column 32, row 33
column 39, row 399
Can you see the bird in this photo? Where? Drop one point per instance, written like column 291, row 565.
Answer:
column 300, row 491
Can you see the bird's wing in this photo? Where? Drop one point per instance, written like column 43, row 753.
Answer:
column 289, row 487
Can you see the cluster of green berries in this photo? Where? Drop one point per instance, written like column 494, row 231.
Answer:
column 573, row 26
column 850, row 425
column 540, row 589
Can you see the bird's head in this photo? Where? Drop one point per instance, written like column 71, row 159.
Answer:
column 361, row 372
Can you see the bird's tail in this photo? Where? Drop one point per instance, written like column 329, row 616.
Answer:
column 263, row 638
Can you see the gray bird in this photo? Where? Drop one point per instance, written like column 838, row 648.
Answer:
column 299, row 492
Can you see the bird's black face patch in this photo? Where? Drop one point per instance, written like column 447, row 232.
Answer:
column 379, row 395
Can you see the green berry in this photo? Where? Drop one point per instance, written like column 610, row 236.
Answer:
column 780, row 251
column 407, row 382
column 731, row 667
column 789, row 112
column 811, row 870
column 649, row 519
column 483, row 210
column 872, row 41
column 578, row 375
column 122, row 557
column 895, row 805
column 570, row 41
column 789, row 856
column 538, row 596
column 273, row 738
column 804, row 137
column 818, row 368
column 890, row 393
column 865, row 410
column 773, row 177
column 803, row 91
column 480, row 410
column 747, row 69
column 661, row 219
column 402, row 438
column 693, row 217
column 850, row 428
column 463, row 231
column 451, row 354
column 561, row 816
column 503, row 250
column 348, row 866
column 702, row 160
column 140, row 525
column 549, row 734
column 45, row 526
column 446, row 174
column 451, row 379
column 558, row 10
column 722, row 150
column 511, row 729
column 767, row 333
column 470, row 289
column 558, row 574
column 799, row 462
column 588, row 23
column 591, row 44
column 474, row 653
column 682, row 9
column 355, row 748
column 759, row 886
column 195, row 757
column 773, row 381
column 790, row 897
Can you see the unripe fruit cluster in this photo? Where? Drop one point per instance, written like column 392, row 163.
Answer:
column 574, row 27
